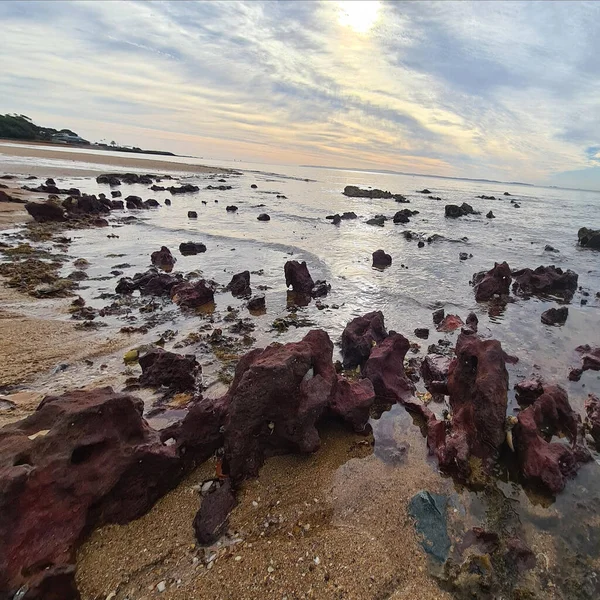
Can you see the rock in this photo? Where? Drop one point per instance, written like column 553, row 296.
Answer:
column 239, row 285
column 359, row 337
column 589, row 238
column 349, row 215
column 352, row 402
column 211, row 520
column 321, row 288
column 464, row 256
column 381, row 259
column 150, row 283
column 277, row 396
column 449, row 323
column 87, row 205
column 516, row 205
column 192, row 214
column 134, row 202
column 495, row 282
column 477, row 386
column 191, row 248
column 117, row 205
column 434, row 371
column 263, row 217
column 108, row 178
column 355, row 192
column 167, row 202
column 438, row 316
column 385, row 369
column 529, row 390
column 4, row 197
column 507, row 194
column 174, row 371
column 163, row 259
column 545, row 281
column 429, row 512
column 453, row 211
column 192, row 295
column 420, row 244
column 401, row 217
column 590, row 361
column 254, row 186
column 549, row 248
column 423, row 191
column 592, row 409
column 257, row 304
column 45, row 212
column 422, row 333
column 186, row 188
column 298, row 277
column 231, row 208
column 472, row 322
column 555, row 316
column 336, row 219
column 544, row 463
column 378, row 220
column 490, row 215
column 82, row 460
column 151, row 203
column 158, row 188
column 519, row 555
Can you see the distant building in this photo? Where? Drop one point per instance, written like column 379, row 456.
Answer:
column 68, row 138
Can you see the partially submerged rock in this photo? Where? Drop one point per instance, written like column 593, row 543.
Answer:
column 239, row 285
column 150, row 283
column 429, row 512
column 545, row 281
column 434, row 370
column 453, row 211
column 191, row 248
column 298, row 277
column 494, row 283
column 592, row 409
column 590, row 361
column 555, row 316
column 449, row 323
column 177, row 372
column 45, row 212
column 359, row 337
column 589, row 238
column 352, row 401
column 163, row 259
column 354, row 191
column 381, row 259
column 192, row 295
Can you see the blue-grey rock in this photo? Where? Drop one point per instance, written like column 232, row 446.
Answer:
column 429, row 512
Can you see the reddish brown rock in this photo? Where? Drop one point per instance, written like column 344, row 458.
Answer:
column 192, row 295
column 542, row 462
column 592, row 409
column 472, row 322
column 545, row 281
column 163, row 259
column 529, row 390
column 239, row 285
column 477, row 385
column 359, row 336
column 82, row 460
column 298, row 276
column 277, row 396
column 495, row 282
column 555, row 316
column 177, row 372
column 385, row 369
column 352, row 402
column 44, row 212
column 434, row 370
column 449, row 323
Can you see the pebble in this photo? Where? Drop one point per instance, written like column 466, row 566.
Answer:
column 270, row 569
column 161, row 586
column 238, row 558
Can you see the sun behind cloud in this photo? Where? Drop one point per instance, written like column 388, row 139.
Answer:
column 359, row 15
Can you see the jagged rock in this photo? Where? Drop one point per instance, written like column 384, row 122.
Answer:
column 163, row 259
column 381, row 259
column 239, row 285
column 82, row 460
column 190, row 248
column 422, row 333
column 211, row 520
column 45, row 212
column 298, row 277
column 545, row 281
column 354, row 191
column 349, row 215
column 555, row 316
column 352, row 402
column 453, row 211
column 490, row 215
column 359, row 336
column 150, row 283
column 192, row 295
column 472, row 322
column 257, row 304
column 176, row 371
column 449, row 323
column 438, row 316
column 529, row 390
column 589, row 238
column 495, row 282
column 434, row 371
column 385, row 369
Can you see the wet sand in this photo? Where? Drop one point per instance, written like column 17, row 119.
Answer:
column 74, row 155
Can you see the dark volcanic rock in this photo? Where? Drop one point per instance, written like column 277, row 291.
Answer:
column 321, row 288
column 175, row 371
column 529, row 390
column 87, row 205
column 190, row 248
column 211, row 520
column 434, row 371
column 109, row 178
column 477, row 385
column 186, row 188
column 454, row 211
column 45, row 212
column 589, row 238
column 254, row 186
column 263, row 217
column 239, row 285
column 192, row 295
column 352, row 402
column 82, row 460
column 167, row 202
column 117, row 205
column 359, row 336
column 192, row 214
column 218, row 187
column 378, row 220
column 134, row 202
column 545, row 281
column 349, row 215
column 495, row 282
column 590, row 361
column 401, row 217
column 298, row 277
column 592, row 409
column 490, row 215
column 472, row 322
column 542, row 462
column 231, row 208
column 150, row 283
column 549, row 248
column 151, row 203
column 381, row 259
column 385, row 369
column 257, row 304
column 555, row 316
column 163, row 259
column 422, row 333
column 277, row 396
column 438, row 316
column 424, row 191
column 355, row 192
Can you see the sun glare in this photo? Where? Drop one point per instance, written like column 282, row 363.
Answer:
column 360, row 15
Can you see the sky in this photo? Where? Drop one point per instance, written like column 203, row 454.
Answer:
column 498, row 90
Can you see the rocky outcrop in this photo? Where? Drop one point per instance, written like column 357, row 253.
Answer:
column 543, row 462
column 263, row 217
column 555, row 316
column 186, row 188
column 359, row 337
column 257, row 304
column 190, row 248
column 590, row 361
column 453, row 211
column 381, row 259
column 545, row 281
column 589, row 238
column 592, row 409
column 83, row 459
column 134, row 203
column 177, row 372
column 163, row 259
column 277, row 396
column 192, row 295
column 529, row 390
column 239, row 285
column 45, row 212
column 494, row 283
column 352, row 402
column 385, row 369
column 298, row 277
column 354, row 191
column 150, row 283
column 434, row 371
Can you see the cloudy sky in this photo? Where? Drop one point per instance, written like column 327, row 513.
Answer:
column 499, row 90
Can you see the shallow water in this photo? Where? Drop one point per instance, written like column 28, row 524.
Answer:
column 562, row 531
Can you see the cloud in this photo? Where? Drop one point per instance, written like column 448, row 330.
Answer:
column 502, row 90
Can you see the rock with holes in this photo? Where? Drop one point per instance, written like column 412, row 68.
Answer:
column 83, row 459
column 298, row 277
column 495, row 282
column 359, row 337
column 352, row 401
column 545, row 281
column 177, row 372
